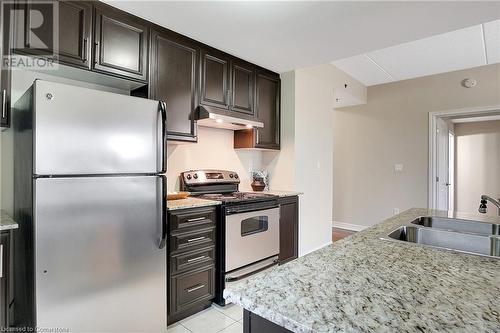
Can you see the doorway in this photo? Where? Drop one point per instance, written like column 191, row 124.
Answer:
column 459, row 171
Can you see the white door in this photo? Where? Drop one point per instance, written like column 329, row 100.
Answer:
column 442, row 165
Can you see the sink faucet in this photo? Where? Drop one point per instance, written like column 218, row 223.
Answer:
column 484, row 199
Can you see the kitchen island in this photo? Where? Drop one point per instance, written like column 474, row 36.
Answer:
column 365, row 284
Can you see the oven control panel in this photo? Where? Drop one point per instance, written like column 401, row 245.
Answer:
column 200, row 177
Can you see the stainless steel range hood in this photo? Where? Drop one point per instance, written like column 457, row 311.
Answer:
column 218, row 118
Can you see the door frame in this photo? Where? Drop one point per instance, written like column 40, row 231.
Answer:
column 451, row 169
column 433, row 116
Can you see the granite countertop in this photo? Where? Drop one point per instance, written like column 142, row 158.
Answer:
column 365, row 284
column 277, row 192
column 6, row 222
column 190, row 202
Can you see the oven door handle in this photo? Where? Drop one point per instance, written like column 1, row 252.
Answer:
column 234, row 209
column 252, row 269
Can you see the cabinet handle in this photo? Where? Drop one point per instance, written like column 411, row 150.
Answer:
column 228, row 96
column 196, row 259
column 195, row 239
column 196, row 219
column 85, row 42
column 190, row 290
column 97, row 53
column 4, row 104
column 1, row 261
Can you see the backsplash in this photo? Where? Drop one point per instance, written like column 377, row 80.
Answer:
column 214, row 150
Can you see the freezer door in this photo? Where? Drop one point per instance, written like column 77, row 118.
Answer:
column 99, row 266
column 83, row 131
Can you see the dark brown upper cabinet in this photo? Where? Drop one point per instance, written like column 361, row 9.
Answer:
column 74, row 31
column 242, row 87
column 267, row 109
column 75, row 24
column 173, row 78
column 5, row 72
column 215, row 79
column 120, row 43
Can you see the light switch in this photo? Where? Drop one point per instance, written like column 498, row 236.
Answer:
column 398, row 167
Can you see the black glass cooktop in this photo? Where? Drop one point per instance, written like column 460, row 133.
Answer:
column 236, row 197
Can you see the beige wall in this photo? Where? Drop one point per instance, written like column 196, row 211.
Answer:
column 393, row 128
column 477, row 164
column 313, row 154
column 305, row 161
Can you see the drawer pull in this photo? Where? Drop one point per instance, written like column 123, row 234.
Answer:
column 190, row 290
column 196, row 259
column 195, row 239
column 196, row 219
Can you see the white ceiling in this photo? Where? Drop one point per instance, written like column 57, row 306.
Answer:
column 478, row 45
column 286, row 35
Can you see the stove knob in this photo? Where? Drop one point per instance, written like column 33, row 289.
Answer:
column 231, row 175
column 236, row 175
column 188, row 177
column 195, row 176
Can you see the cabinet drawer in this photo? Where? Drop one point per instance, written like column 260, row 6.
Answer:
column 192, row 259
column 192, row 239
column 192, row 287
column 191, row 218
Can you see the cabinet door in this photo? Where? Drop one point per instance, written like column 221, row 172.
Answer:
column 75, row 18
column 289, row 228
column 4, row 269
column 268, row 110
column 215, row 79
column 74, row 24
column 120, row 44
column 4, row 71
column 174, row 69
column 242, row 87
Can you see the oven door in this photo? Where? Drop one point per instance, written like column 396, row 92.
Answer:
column 251, row 237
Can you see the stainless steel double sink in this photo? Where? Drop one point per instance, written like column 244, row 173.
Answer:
column 468, row 236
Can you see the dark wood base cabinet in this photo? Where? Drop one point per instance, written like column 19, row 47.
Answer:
column 253, row 323
column 191, row 256
column 289, row 228
column 4, row 279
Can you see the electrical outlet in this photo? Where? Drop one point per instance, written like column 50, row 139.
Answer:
column 398, row 167
column 396, row 211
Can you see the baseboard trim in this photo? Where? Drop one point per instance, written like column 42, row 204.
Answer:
column 348, row 226
column 316, row 248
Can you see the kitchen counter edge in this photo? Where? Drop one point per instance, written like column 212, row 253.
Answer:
column 6, row 222
column 190, row 203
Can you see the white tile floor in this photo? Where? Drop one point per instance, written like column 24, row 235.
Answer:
column 228, row 319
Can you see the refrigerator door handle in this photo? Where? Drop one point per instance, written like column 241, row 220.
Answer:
column 163, row 205
column 163, row 144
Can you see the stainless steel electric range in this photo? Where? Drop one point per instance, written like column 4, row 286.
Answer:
column 247, row 226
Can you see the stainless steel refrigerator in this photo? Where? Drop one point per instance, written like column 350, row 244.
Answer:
column 90, row 197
